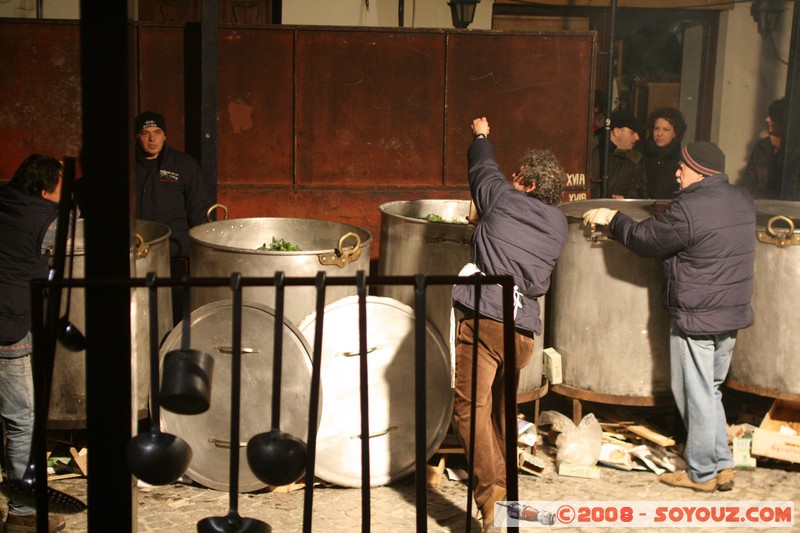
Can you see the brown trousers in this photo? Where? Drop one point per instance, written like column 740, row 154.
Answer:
column 489, row 463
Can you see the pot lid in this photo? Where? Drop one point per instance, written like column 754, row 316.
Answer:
column 390, row 356
column 208, row 434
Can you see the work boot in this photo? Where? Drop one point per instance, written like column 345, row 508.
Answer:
column 487, row 509
column 27, row 524
column 725, row 479
column 682, row 479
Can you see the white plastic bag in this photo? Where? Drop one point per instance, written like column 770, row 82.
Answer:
column 578, row 445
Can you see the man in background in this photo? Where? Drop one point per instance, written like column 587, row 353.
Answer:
column 169, row 190
column 626, row 173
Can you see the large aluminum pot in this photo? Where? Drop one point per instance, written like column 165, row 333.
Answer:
column 219, row 248
column 411, row 245
column 766, row 358
column 390, row 354
column 208, row 434
column 149, row 253
column 608, row 321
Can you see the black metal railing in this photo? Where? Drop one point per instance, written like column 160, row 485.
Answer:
column 44, row 351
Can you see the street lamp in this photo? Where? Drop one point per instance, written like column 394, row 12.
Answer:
column 463, row 11
column 766, row 13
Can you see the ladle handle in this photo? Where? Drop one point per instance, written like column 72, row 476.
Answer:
column 152, row 293
column 72, row 224
column 236, row 383
column 186, row 330
column 277, row 351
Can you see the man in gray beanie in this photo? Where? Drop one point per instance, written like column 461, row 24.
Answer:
column 705, row 241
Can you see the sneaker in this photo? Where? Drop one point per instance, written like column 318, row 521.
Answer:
column 725, row 479
column 27, row 524
column 682, row 479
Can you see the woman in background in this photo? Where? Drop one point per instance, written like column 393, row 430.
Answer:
column 662, row 151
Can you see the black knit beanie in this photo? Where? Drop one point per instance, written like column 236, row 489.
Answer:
column 148, row 119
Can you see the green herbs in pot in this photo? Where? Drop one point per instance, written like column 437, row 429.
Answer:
column 278, row 245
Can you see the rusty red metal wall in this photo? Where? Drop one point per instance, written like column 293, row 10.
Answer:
column 324, row 123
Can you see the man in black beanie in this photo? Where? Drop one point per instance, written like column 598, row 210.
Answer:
column 169, row 190
column 626, row 174
column 705, row 241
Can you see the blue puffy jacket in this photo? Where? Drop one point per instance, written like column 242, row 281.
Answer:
column 706, row 239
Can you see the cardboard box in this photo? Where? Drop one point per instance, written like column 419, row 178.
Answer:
column 552, row 366
column 568, row 469
column 774, row 437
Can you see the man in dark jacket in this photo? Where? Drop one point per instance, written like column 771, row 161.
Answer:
column 626, row 173
column 168, row 185
column 28, row 210
column 705, row 240
column 520, row 233
column 169, row 190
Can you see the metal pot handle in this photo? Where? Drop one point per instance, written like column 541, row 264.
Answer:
column 779, row 237
column 142, row 249
column 217, row 206
column 342, row 256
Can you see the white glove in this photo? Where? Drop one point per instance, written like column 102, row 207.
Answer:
column 600, row 215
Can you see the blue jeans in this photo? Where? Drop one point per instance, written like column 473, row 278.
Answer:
column 16, row 410
column 699, row 365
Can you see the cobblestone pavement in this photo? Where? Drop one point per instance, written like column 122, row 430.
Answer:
column 178, row 507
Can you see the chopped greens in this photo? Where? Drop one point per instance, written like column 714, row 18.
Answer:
column 433, row 217
column 278, row 245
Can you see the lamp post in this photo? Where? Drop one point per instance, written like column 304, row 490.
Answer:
column 463, row 11
column 766, row 13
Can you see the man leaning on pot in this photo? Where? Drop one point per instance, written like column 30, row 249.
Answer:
column 705, row 240
column 169, row 190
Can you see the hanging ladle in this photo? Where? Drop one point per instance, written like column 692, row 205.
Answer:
column 69, row 335
column 29, row 490
column 275, row 457
column 233, row 522
column 186, row 382
column 154, row 457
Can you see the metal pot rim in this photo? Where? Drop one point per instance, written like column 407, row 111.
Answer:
column 366, row 236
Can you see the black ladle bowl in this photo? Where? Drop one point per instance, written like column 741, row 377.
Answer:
column 154, row 457
column 158, row 458
column 276, row 458
column 232, row 522
column 69, row 335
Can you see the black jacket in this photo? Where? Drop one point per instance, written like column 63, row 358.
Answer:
column 169, row 190
column 660, row 165
column 23, row 223
column 706, row 240
column 517, row 235
column 626, row 175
